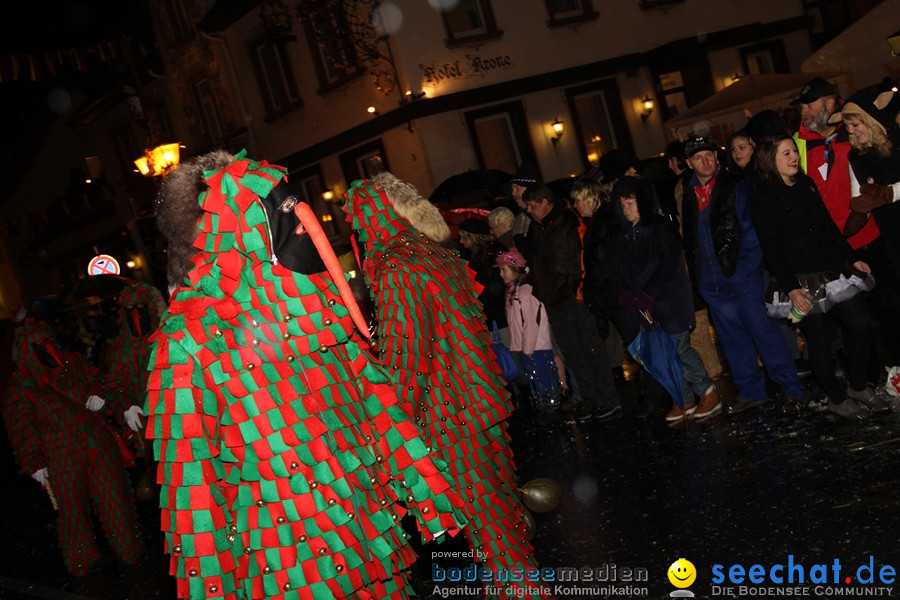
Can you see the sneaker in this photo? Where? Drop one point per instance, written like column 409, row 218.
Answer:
column 605, row 412
column 869, row 399
column 865, row 396
column 675, row 413
column 743, row 405
column 848, row 409
column 709, row 403
column 803, row 367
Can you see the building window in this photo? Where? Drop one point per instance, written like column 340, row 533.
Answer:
column 208, row 114
column 569, row 12
column 674, row 100
column 766, row 58
column 277, row 83
column 364, row 162
column 682, row 83
column 598, row 119
column 500, row 137
column 334, row 57
column 470, row 21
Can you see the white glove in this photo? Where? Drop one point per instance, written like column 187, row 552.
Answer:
column 94, row 403
column 133, row 417
column 40, row 476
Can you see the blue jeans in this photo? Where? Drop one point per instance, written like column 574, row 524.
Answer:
column 745, row 329
column 696, row 379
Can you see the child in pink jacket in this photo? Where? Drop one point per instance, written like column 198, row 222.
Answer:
column 529, row 331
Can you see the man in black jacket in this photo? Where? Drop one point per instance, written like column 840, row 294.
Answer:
column 557, row 273
column 724, row 260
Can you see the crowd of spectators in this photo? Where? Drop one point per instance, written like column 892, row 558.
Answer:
column 773, row 248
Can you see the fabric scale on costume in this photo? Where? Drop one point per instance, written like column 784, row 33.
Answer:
column 431, row 332
column 286, row 462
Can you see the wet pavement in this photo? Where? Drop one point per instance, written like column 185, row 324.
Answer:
column 754, row 488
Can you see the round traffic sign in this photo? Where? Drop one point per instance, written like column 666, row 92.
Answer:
column 103, row 264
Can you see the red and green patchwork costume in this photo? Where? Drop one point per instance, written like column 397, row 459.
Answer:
column 431, row 333
column 49, row 427
column 141, row 307
column 285, row 462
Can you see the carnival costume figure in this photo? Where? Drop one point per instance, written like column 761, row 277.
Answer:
column 59, row 430
column 431, row 333
column 285, row 462
column 126, row 356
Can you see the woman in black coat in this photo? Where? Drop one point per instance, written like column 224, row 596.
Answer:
column 804, row 248
column 650, row 277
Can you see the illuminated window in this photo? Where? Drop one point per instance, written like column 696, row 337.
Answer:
column 598, row 119
column 500, row 137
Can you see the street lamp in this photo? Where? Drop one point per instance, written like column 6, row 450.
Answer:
column 158, row 160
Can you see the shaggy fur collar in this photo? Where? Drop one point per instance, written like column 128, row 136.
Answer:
column 178, row 211
column 410, row 205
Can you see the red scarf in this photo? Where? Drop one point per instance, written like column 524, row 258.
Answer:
column 704, row 192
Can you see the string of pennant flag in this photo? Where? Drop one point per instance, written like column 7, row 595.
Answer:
column 40, row 66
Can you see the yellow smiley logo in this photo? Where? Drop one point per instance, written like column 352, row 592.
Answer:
column 682, row 573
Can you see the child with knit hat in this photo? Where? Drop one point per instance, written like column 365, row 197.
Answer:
column 529, row 330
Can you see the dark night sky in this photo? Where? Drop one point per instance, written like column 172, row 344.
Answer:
column 38, row 26
column 28, row 30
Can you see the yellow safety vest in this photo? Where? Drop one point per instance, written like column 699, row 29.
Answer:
column 801, row 147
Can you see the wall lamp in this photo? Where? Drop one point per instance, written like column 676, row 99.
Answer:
column 559, row 128
column 372, row 111
column 647, row 104
column 158, row 160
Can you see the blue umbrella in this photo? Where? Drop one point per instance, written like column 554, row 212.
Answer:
column 657, row 353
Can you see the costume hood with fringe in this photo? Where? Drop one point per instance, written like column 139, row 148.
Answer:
column 386, row 206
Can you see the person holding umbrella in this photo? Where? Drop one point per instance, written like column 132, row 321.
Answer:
column 651, row 282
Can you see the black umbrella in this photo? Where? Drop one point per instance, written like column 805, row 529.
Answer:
column 471, row 186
